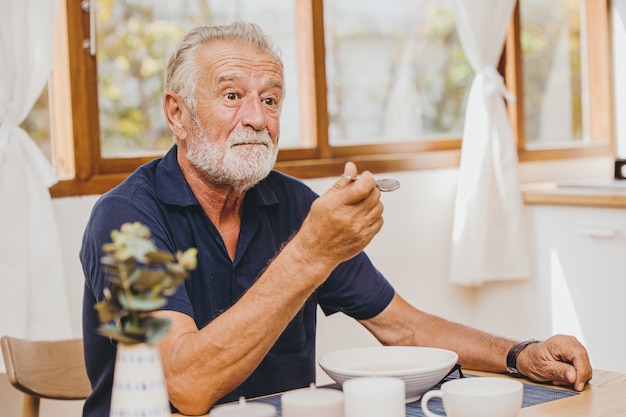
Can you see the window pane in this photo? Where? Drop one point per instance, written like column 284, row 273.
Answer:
column 395, row 71
column 554, row 72
column 135, row 39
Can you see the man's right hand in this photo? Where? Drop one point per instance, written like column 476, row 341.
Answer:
column 343, row 220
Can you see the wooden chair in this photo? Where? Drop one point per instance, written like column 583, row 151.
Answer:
column 45, row 369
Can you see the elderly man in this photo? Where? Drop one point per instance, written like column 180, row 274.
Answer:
column 270, row 249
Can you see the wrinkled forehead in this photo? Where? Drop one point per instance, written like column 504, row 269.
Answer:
column 231, row 59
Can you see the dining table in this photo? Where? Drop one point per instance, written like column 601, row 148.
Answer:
column 604, row 396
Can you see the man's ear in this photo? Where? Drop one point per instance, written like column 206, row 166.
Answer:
column 174, row 109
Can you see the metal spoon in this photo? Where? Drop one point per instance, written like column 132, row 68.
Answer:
column 384, row 184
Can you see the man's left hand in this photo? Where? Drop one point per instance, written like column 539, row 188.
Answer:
column 562, row 360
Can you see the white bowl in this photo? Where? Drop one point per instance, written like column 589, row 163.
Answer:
column 421, row 368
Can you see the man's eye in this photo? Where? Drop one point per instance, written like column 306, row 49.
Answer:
column 269, row 101
column 231, row 96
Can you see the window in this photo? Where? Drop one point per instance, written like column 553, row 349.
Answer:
column 395, row 71
column 552, row 53
column 557, row 64
column 383, row 84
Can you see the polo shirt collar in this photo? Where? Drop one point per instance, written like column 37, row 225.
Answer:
column 173, row 189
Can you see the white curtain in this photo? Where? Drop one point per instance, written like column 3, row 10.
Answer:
column 488, row 238
column 33, row 297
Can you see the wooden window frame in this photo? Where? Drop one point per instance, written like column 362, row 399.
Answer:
column 76, row 89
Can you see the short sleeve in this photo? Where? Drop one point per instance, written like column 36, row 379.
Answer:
column 357, row 289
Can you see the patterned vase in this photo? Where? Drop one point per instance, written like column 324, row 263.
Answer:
column 138, row 383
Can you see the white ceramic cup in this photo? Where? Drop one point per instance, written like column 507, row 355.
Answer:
column 477, row 397
column 374, row 396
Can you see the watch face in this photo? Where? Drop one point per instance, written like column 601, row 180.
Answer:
column 514, row 373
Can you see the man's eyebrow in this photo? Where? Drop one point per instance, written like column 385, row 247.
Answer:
column 228, row 78
column 276, row 84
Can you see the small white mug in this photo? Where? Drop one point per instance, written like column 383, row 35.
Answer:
column 477, row 397
column 374, row 396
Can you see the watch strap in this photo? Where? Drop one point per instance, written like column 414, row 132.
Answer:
column 511, row 356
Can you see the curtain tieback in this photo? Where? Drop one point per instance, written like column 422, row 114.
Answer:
column 45, row 168
column 494, row 84
column 5, row 128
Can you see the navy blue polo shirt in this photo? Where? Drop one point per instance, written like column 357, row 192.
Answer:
column 157, row 195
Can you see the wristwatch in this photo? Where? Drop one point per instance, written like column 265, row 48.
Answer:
column 511, row 357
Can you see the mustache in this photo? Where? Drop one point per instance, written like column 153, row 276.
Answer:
column 250, row 137
column 240, row 136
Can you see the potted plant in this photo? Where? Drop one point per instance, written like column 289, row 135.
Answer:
column 140, row 276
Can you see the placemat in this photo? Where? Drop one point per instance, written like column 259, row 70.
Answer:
column 533, row 395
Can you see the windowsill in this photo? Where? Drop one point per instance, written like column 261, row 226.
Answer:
column 593, row 195
column 586, row 182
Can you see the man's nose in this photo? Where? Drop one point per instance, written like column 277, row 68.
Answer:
column 253, row 114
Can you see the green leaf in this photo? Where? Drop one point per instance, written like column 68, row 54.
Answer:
column 107, row 311
column 159, row 257
column 176, row 271
column 138, row 332
column 108, row 260
column 111, row 331
column 145, row 304
column 109, row 247
column 124, row 254
column 188, row 259
column 147, row 279
column 157, row 328
column 138, row 248
column 136, row 230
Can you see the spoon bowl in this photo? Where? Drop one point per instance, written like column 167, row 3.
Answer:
column 383, row 184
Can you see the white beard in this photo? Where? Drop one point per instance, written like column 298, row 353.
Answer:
column 239, row 166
